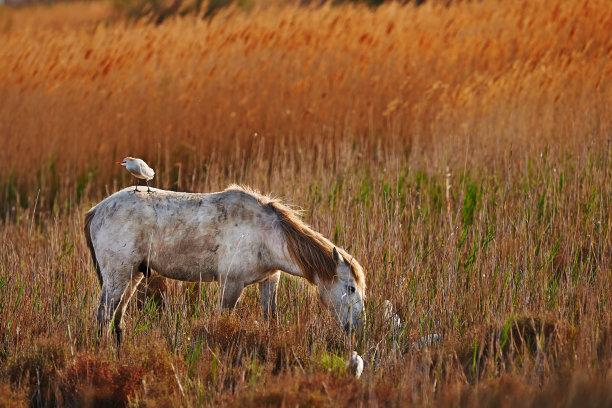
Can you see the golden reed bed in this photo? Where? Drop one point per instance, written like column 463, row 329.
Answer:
column 487, row 76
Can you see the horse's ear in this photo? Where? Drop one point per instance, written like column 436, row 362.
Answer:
column 337, row 257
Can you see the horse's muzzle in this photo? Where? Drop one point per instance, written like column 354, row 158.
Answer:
column 353, row 327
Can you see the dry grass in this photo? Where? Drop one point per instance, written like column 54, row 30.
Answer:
column 462, row 153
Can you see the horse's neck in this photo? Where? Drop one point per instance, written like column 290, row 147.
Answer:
column 286, row 264
column 281, row 259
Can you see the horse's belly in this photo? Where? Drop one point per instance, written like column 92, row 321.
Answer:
column 186, row 268
column 186, row 253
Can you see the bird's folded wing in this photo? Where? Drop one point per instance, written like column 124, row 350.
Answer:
column 146, row 170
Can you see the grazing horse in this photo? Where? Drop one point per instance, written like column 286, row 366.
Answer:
column 236, row 237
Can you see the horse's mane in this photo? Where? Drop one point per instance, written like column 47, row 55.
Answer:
column 308, row 248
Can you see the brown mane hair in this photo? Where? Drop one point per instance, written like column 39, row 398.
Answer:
column 310, row 250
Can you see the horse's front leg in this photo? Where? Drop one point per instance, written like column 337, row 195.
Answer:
column 267, row 294
column 229, row 293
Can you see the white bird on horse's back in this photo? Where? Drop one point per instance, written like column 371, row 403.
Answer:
column 236, row 237
column 139, row 169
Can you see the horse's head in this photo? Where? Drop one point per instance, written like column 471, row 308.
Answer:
column 344, row 295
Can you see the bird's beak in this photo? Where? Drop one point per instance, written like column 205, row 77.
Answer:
column 121, row 162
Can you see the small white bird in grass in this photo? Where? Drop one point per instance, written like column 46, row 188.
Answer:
column 354, row 365
column 391, row 317
column 139, row 169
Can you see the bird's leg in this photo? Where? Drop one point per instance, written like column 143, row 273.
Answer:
column 148, row 188
column 137, row 184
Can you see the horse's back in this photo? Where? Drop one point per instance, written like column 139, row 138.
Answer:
column 171, row 206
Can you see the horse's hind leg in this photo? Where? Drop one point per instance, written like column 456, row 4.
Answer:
column 124, row 300
column 106, row 308
column 267, row 294
column 114, row 299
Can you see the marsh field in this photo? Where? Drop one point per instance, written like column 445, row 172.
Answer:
column 462, row 153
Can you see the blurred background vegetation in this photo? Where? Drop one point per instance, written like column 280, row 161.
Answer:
column 158, row 10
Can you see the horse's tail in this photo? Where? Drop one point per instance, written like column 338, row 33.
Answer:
column 88, row 217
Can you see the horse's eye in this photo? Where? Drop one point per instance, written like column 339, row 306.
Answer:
column 350, row 289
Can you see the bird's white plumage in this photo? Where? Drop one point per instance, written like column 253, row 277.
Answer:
column 391, row 317
column 138, row 168
column 354, row 365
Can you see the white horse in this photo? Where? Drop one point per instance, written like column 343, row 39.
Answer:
column 236, row 237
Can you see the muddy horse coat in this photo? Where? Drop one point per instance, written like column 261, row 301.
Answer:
column 236, row 237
